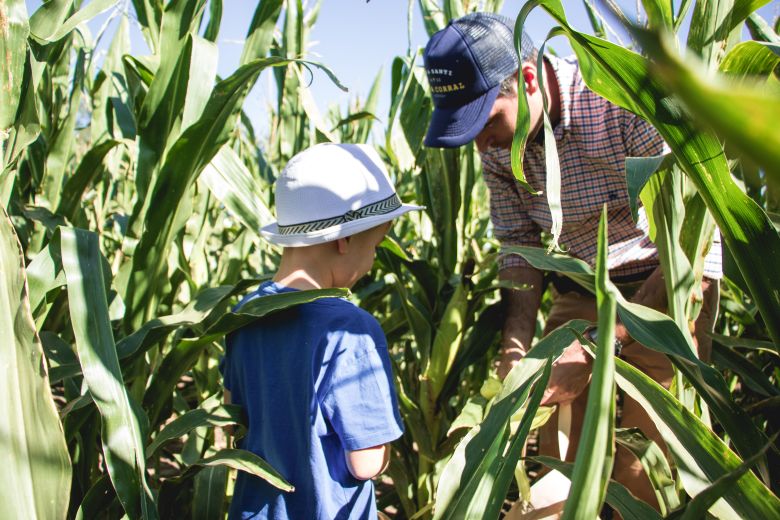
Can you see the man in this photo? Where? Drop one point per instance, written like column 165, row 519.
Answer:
column 473, row 70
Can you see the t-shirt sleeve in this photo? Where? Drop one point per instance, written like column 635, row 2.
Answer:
column 360, row 400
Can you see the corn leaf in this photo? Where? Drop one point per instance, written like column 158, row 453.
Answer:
column 52, row 22
column 248, row 462
column 34, row 450
column 214, row 415
column 620, row 498
column 655, row 465
column 701, row 457
column 594, row 466
column 231, row 182
column 657, row 331
column 121, row 429
column 209, row 493
column 13, row 47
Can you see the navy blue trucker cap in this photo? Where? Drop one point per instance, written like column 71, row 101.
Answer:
column 466, row 63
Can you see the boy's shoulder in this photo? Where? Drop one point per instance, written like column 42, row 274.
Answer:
column 339, row 312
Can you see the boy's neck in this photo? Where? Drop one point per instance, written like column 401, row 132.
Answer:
column 303, row 269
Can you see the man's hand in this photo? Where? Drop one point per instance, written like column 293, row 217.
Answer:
column 570, row 375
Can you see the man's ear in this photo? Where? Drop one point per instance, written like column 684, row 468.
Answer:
column 529, row 76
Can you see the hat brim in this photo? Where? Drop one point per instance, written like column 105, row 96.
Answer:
column 456, row 126
column 271, row 231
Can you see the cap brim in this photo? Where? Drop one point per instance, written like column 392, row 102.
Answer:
column 271, row 231
column 453, row 127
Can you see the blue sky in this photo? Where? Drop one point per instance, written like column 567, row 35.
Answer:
column 357, row 38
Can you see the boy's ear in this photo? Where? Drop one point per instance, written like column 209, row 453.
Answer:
column 342, row 245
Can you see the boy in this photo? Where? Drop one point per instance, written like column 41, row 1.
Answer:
column 315, row 380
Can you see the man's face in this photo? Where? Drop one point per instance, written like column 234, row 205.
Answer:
column 501, row 124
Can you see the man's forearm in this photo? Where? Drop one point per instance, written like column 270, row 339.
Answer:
column 522, row 305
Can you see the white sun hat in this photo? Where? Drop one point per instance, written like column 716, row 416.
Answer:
column 330, row 191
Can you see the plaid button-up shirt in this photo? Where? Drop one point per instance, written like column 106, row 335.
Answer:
column 593, row 137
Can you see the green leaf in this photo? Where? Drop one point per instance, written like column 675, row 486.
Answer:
column 620, row 498
column 701, row 503
column 638, row 172
column 466, row 483
column 34, row 450
column 193, row 150
column 90, row 168
column 220, row 415
column 593, row 467
column 261, row 31
column 121, row 429
column 248, row 462
column 13, row 48
column 654, row 463
column 658, row 332
column 701, row 457
column 231, row 182
column 53, row 21
column 209, row 495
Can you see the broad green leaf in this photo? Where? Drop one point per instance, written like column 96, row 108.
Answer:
column 193, row 150
column 465, row 485
column 701, row 457
column 261, row 30
column 97, row 500
column 197, row 311
column 34, row 451
column 760, row 30
column 750, row 374
column 744, row 116
column 638, row 172
column 215, row 20
column 517, row 442
column 746, row 343
column 250, row 463
column 220, row 415
column 701, row 503
column 751, row 62
column 618, row 496
column 209, row 494
column 659, row 12
column 552, row 163
column 90, row 169
column 121, row 430
column 657, row 331
column 593, row 467
column 61, row 145
column 231, row 182
column 655, row 465
column 13, row 47
column 49, row 28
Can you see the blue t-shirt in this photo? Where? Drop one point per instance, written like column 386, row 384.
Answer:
column 315, row 380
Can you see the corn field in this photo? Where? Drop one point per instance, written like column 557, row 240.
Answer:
column 133, row 189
